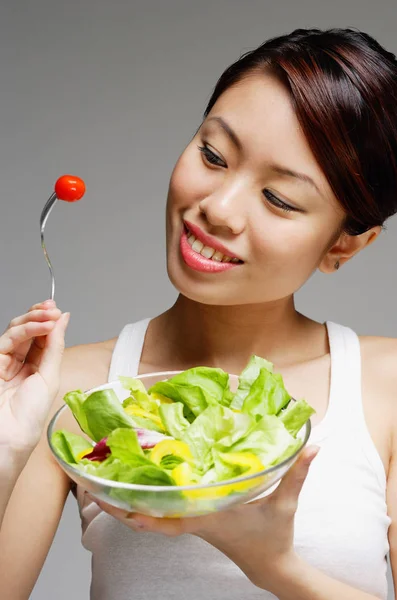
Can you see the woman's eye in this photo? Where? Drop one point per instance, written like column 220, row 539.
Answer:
column 211, row 157
column 277, row 202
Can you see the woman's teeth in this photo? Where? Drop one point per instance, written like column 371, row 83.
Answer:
column 208, row 252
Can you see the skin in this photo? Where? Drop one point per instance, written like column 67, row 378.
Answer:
column 251, row 304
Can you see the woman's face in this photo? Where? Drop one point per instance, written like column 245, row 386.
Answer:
column 247, row 186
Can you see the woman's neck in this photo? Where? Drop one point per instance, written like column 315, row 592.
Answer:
column 191, row 334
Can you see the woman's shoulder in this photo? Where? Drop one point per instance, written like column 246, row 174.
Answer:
column 87, row 365
column 379, row 374
column 99, row 349
column 380, row 353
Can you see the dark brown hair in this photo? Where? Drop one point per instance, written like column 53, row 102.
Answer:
column 343, row 85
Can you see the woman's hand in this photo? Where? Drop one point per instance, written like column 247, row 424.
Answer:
column 30, row 358
column 257, row 536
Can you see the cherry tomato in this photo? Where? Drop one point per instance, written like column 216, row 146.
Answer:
column 69, row 188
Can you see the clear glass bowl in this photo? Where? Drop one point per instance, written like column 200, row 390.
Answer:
column 170, row 501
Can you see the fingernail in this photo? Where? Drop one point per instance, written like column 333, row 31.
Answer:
column 66, row 318
column 312, row 453
column 49, row 303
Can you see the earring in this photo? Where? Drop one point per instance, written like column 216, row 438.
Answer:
column 337, row 265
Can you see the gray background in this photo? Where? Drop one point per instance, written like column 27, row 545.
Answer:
column 112, row 91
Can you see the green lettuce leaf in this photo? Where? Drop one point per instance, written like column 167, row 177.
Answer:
column 247, row 378
column 196, row 388
column 68, row 445
column 104, row 412
column 227, row 398
column 269, row 440
column 173, row 419
column 139, row 470
column 124, row 444
column 75, row 400
column 139, row 394
column 145, row 423
column 281, row 397
column 296, row 415
column 215, row 425
column 267, row 395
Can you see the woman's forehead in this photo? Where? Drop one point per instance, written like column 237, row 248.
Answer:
column 259, row 112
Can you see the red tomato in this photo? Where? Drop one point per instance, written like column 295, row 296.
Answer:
column 69, row 188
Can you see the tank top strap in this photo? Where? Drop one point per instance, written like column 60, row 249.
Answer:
column 345, row 408
column 345, row 400
column 344, row 424
column 128, row 350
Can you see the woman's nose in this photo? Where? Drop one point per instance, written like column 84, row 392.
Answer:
column 225, row 208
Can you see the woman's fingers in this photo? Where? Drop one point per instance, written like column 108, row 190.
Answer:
column 37, row 315
column 51, row 355
column 25, row 338
column 138, row 522
column 287, row 493
column 35, row 395
column 15, row 337
column 45, row 304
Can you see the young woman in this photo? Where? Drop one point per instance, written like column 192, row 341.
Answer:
column 293, row 169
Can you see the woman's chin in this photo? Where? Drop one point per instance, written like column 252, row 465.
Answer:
column 214, row 292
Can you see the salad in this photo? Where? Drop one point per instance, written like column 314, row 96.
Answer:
column 189, row 430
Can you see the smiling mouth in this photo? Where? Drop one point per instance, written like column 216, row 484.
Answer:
column 207, row 251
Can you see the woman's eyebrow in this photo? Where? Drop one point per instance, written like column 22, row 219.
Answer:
column 226, row 127
column 276, row 168
column 290, row 173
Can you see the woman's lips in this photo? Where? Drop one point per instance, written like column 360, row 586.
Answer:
column 209, row 240
column 196, row 261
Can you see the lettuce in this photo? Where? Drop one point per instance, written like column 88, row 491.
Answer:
column 197, row 389
column 247, row 378
column 173, row 419
column 69, row 445
column 104, row 413
column 295, row 416
column 75, row 400
column 215, row 425
column 266, row 396
column 124, row 444
column 269, row 439
column 139, row 394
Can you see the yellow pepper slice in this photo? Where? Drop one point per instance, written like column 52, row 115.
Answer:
column 137, row 411
column 247, row 460
column 183, row 475
column 250, row 464
column 166, row 447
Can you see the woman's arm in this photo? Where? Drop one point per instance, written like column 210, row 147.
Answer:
column 392, row 507
column 30, row 523
column 297, row 580
column 37, row 501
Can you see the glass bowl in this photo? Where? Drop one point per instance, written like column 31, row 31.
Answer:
column 170, row 501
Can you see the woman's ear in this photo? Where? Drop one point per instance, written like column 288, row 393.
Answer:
column 345, row 247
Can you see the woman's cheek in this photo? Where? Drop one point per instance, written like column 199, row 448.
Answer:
column 286, row 247
column 190, row 181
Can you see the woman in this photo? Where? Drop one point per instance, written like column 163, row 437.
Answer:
column 293, row 169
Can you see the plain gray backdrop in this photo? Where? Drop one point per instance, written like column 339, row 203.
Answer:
column 112, row 91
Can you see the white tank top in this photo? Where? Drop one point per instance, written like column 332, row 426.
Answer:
column 341, row 523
